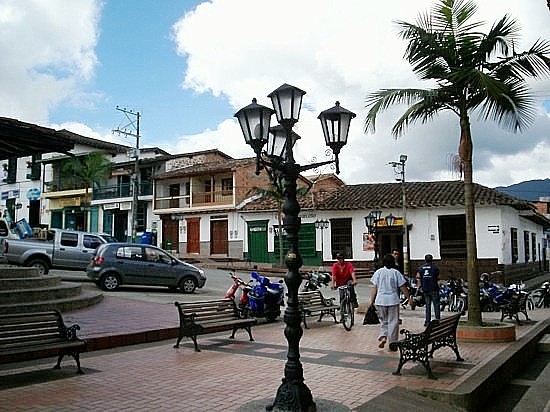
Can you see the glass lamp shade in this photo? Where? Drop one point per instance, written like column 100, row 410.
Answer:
column 403, row 158
column 369, row 221
column 335, row 123
column 277, row 143
column 390, row 220
column 377, row 214
column 287, row 102
column 254, row 120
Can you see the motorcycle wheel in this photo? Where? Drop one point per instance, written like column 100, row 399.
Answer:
column 460, row 304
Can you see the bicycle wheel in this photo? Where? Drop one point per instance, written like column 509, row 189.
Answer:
column 346, row 314
column 538, row 297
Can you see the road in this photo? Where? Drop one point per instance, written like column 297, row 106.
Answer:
column 217, row 284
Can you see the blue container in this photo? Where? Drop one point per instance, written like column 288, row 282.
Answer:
column 147, row 238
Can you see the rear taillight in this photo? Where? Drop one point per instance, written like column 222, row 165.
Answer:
column 98, row 260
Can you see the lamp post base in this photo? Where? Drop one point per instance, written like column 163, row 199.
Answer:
column 293, row 397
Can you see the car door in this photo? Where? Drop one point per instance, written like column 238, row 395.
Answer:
column 90, row 243
column 158, row 268
column 130, row 264
column 67, row 252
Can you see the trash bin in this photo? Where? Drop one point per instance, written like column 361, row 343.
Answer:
column 168, row 245
column 147, row 238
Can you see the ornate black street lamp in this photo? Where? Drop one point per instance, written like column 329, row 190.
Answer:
column 371, row 221
column 322, row 225
column 278, row 161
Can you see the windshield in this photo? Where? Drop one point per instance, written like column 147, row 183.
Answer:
column 109, row 238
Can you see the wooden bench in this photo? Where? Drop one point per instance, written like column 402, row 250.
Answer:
column 438, row 333
column 516, row 305
column 313, row 303
column 200, row 318
column 33, row 335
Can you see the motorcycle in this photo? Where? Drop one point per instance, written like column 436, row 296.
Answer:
column 415, row 292
column 315, row 280
column 541, row 296
column 260, row 299
column 453, row 295
column 493, row 296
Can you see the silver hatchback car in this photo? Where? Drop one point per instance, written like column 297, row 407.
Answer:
column 115, row 264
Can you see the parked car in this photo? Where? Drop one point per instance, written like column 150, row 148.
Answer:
column 57, row 249
column 116, row 264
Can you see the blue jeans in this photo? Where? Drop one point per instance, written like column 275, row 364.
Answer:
column 431, row 298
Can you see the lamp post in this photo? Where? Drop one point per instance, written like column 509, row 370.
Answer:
column 278, row 161
column 322, row 225
column 399, row 168
column 371, row 221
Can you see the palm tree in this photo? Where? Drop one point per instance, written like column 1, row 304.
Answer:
column 94, row 168
column 473, row 72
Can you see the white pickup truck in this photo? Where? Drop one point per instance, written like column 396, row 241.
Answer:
column 61, row 249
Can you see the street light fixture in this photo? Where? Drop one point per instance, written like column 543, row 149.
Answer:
column 322, row 225
column 371, row 221
column 278, row 161
column 399, row 169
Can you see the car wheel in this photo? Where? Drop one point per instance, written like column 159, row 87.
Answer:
column 109, row 281
column 42, row 266
column 188, row 284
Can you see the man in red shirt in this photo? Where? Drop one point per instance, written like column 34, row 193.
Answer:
column 343, row 273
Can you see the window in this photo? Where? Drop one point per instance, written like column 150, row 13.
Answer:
column 340, row 237
column 174, row 193
column 526, row 246
column 34, row 167
column 69, row 239
column 129, row 252
column 91, row 242
column 227, row 186
column 11, row 175
column 534, row 247
column 452, row 236
column 514, row 244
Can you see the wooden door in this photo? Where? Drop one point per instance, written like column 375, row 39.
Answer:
column 193, row 235
column 218, row 237
column 170, row 235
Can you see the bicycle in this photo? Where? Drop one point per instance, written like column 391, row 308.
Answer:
column 347, row 313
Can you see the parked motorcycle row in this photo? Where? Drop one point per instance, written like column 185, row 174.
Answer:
column 453, row 295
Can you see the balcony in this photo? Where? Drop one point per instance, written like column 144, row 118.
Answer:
column 121, row 190
column 61, row 185
column 195, row 200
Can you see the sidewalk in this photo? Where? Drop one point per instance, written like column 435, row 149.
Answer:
column 344, row 369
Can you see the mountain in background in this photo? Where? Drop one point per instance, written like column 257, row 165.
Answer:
column 530, row 190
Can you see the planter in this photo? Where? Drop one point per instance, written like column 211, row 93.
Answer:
column 488, row 333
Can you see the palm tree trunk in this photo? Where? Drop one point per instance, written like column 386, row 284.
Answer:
column 465, row 151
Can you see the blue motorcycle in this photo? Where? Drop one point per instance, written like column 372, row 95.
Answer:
column 264, row 298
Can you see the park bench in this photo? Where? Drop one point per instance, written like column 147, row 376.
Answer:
column 516, row 305
column 200, row 318
column 313, row 303
column 33, row 335
column 416, row 346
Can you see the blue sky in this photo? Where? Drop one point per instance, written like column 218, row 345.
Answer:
column 188, row 66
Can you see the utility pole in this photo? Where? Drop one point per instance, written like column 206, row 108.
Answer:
column 132, row 129
column 399, row 168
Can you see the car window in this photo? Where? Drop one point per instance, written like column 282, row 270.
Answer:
column 69, row 239
column 129, row 252
column 151, row 255
column 109, row 238
column 165, row 258
column 91, row 242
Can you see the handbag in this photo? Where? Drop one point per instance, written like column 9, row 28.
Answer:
column 371, row 317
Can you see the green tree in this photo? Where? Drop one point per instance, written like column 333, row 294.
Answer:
column 472, row 72
column 94, row 168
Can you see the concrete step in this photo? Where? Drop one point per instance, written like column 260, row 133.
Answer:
column 543, row 345
column 29, row 282
column 83, row 300
column 9, row 272
column 61, row 291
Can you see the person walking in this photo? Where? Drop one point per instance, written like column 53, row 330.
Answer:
column 384, row 295
column 343, row 273
column 427, row 278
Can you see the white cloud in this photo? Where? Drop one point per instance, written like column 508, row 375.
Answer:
column 344, row 50
column 47, row 49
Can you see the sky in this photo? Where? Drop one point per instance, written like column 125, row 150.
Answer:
column 187, row 66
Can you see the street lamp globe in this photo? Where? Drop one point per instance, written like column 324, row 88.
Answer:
column 335, row 123
column 276, row 141
column 287, row 102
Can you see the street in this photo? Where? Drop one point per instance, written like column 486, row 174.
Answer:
column 217, row 283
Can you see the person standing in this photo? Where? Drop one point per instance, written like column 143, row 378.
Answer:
column 428, row 277
column 343, row 273
column 384, row 295
column 395, row 253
